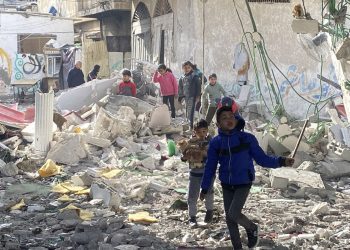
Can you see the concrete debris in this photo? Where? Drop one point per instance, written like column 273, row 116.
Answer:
column 99, row 142
column 109, row 126
column 69, row 150
column 10, row 169
column 291, row 141
column 110, row 197
column 307, row 166
column 320, row 209
column 335, row 169
column 160, row 117
column 282, row 177
column 126, row 191
column 284, row 130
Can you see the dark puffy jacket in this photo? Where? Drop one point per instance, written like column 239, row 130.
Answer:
column 235, row 153
column 75, row 77
column 191, row 86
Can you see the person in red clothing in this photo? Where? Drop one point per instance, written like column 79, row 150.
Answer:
column 127, row 87
column 168, row 86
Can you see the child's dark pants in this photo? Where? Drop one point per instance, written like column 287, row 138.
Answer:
column 234, row 200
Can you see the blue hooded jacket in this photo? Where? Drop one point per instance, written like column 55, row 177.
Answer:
column 235, row 152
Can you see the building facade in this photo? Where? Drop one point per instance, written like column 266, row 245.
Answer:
column 207, row 32
column 102, row 30
column 22, row 39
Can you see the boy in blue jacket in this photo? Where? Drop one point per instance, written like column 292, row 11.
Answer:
column 235, row 151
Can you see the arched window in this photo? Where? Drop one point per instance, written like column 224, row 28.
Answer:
column 141, row 12
column 162, row 8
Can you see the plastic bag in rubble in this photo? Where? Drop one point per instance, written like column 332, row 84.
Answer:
column 49, row 169
column 316, row 47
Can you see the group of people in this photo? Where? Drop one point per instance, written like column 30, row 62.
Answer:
column 76, row 76
column 232, row 151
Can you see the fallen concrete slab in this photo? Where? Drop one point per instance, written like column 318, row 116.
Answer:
column 282, row 177
column 69, row 150
column 138, row 106
column 284, row 130
column 292, row 140
column 99, row 142
column 335, row 169
column 83, row 95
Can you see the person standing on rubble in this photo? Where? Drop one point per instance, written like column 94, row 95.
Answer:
column 93, row 73
column 211, row 96
column 190, row 90
column 76, row 75
column 195, row 153
column 127, row 87
column 168, row 86
column 235, row 150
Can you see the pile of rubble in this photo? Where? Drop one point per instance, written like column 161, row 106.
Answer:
column 108, row 182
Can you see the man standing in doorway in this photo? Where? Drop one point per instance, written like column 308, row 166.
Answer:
column 76, row 75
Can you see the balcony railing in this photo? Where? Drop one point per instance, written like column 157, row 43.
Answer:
column 95, row 6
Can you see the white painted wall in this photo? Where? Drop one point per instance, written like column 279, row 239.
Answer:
column 223, row 32
column 14, row 24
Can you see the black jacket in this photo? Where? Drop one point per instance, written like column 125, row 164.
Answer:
column 75, row 77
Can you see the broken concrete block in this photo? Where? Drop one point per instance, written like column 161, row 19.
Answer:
column 132, row 146
column 346, row 136
column 307, row 165
column 337, row 133
column 110, row 126
column 99, row 142
column 282, row 177
column 157, row 186
column 335, row 169
column 291, row 141
column 68, row 151
column 283, row 120
column 138, row 106
column 284, row 130
column 148, row 163
column 320, row 209
column 276, row 146
column 160, row 117
column 109, row 197
column 9, row 169
column 82, row 179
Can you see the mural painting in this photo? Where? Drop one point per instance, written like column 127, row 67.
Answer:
column 28, row 66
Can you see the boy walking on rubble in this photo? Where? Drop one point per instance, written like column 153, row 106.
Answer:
column 235, row 151
column 195, row 153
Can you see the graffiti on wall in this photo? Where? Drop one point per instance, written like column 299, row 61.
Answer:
column 5, row 69
column 308, row 88
column 28, row 66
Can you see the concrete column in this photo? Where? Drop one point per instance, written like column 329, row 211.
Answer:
column 43, row 121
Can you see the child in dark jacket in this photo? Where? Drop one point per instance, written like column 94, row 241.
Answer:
column 195, row 153
column 235, row 151
column 190, row 90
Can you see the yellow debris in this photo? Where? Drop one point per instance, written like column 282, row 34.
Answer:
column 65, row 198
column 60, row 189
column 109, row 174
column 18, row 206
column 49, row 169
column 83, row 192
column 83, row 214
column 71, row 187
column 77, row 130
column 142, row 217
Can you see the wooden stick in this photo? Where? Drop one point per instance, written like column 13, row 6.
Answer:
column 299, row 139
